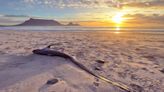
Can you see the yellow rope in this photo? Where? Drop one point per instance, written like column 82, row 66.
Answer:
column 125, row 87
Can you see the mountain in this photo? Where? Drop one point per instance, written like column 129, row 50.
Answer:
column 72, row 24
column 40, row 22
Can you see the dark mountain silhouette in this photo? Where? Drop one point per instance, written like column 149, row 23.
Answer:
column 72, row 24
column 40, row 22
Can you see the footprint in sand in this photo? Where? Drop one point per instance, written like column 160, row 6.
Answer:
column 96, row 83
column 137, row 88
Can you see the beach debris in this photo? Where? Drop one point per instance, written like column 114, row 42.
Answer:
column 98, row 68
column 150, row 57
column 52, row 81
column 100, row 61
column 122, row 74
column 162, row 70
column 96, row 83
column 97, row 79
column 98, row 65
column 137, row 49
column 137, row 88
column 134, row 77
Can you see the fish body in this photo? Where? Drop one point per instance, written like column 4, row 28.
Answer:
column 48, row 52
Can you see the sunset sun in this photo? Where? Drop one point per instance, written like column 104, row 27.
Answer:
column 118, row 18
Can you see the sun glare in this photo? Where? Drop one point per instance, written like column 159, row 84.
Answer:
column 118, row 19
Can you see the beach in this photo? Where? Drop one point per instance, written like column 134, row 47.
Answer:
column 133, row 59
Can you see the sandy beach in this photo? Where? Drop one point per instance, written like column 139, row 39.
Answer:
column 134, row 59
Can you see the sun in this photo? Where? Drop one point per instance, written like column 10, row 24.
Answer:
column 118, row 18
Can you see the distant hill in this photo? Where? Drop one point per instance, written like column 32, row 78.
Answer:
column 40, row 22
column 3, row 25
column 72, row 24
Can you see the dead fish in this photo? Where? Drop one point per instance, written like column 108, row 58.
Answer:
column 47, row 51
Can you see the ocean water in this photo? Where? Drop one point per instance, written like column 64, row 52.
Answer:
column 80, row 28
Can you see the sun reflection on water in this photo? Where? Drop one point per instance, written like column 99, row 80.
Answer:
column 117, row 30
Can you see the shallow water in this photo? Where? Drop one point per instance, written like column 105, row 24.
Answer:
column 80, row 28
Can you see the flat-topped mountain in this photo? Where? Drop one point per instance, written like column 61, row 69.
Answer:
column 40, row 22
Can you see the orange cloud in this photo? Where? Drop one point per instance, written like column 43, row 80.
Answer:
column 153, row 20
column 135, row 20
column 140, row 18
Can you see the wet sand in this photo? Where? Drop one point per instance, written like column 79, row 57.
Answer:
column 134, row 59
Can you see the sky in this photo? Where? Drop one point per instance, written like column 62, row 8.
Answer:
column 131, row 13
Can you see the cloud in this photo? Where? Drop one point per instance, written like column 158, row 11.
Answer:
column 154, row 3
column 141, row 19
column 76, row 3
column 1, row 15
column 8, row 21
column 15, row 16
column 29, row 1
column 97, row 3
column 12, row 19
